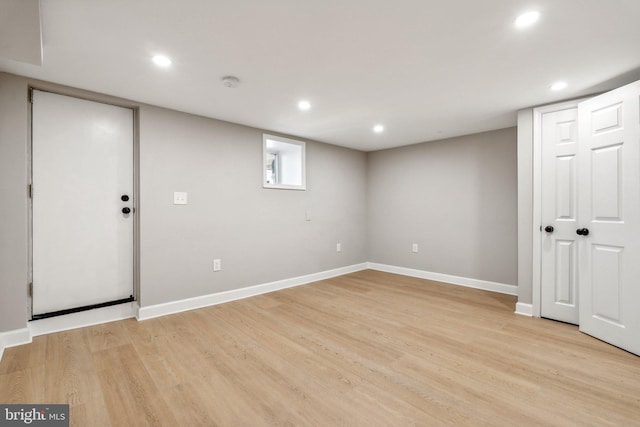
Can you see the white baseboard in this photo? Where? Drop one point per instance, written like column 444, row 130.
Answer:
column 82, row 319
column 524, row 309
column 454, row 280
column 128, row 310
column 236, row 294
column 14, row 338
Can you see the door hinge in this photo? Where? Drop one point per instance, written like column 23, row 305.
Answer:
column 30, row 290
column 30, row 191
column 31, row 95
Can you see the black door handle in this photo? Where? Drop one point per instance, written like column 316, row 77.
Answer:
column 582, row 231
column 124, row 198
column 549, row 229
column 126, row 210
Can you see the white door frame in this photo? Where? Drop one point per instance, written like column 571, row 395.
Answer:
column 136, row 181
column 536, row 285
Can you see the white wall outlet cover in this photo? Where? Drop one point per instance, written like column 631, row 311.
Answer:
column 216, row 265
column 179, row 198
column 414, row 248
column 338, row 247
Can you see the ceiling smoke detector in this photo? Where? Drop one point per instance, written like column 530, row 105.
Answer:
column 230, row 81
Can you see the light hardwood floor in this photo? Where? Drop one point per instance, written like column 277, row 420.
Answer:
column 365, row 349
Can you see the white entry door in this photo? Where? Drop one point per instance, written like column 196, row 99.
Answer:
column 559, row 275
column 82, row 177
column 609, row 218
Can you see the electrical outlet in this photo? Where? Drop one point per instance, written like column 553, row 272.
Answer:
column 414, row 248
column 179, row 198
column 216, row 265
column 338, row 247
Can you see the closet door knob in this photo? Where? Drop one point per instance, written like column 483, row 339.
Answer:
column 582, row 231
column 126, row 210
column 549, row 229
column 124, row 198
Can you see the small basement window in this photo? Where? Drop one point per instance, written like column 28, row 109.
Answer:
column 283, row 163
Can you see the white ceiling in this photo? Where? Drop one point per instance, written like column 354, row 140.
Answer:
column 425, row 69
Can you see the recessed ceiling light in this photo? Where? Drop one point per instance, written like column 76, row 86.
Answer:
column 527, row 19
column 304, row 105
column 378, row 128
column 559, row 85
column 161, row 61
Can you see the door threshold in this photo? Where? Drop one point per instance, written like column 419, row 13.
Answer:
column 81, row 319
column 79, row 309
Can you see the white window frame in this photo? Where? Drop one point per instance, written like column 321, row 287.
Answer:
column 265, row 151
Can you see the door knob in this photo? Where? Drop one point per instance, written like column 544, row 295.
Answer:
column 126, row 210
column 124, row 198
column 549, row 229
column 582, row 231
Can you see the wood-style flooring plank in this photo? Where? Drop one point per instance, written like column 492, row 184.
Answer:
column 130, row 395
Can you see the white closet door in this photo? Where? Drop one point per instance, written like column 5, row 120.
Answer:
column 82, row 154
column 559, row 275
column 609, row 206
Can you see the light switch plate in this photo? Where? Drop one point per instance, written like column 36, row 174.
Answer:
column 179, row 198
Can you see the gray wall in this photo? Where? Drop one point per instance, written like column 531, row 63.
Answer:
column 260, row 235
column 456, row 198
column 13, row 203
